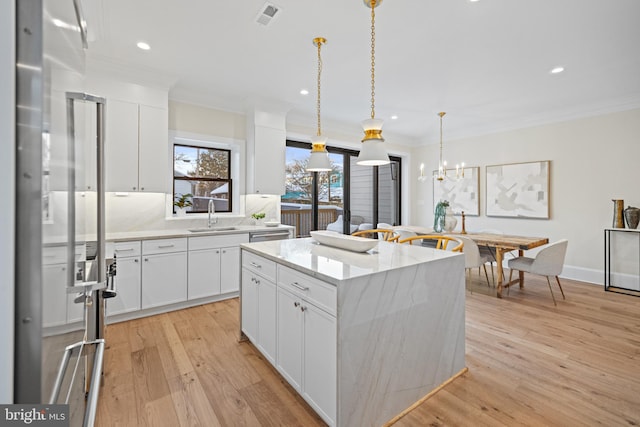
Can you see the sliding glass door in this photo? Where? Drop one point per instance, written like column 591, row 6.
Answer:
column 348, row 198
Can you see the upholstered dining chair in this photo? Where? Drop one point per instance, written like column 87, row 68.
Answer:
column 473, row 258
column 548, row 262
column 387, row 234
column 442, row 242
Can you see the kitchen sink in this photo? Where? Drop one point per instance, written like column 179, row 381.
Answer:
column 206, row 230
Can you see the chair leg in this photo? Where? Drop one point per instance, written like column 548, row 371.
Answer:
column 493, row 278
column 486, row 275
column 554, row 298
column 560, row 286
column 508, row 283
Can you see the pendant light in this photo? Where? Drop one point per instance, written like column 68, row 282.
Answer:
column 319, row 158
column 373, row 152
column 441, row 174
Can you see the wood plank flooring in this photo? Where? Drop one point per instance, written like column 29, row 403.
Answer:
column 530, row 364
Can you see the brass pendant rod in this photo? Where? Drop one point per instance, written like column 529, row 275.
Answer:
column 373, row 59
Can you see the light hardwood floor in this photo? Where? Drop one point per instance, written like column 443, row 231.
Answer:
column 530, row 364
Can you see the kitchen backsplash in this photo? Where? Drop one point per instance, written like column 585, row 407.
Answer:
column 153, row 211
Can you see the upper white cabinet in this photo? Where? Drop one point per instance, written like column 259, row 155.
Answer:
column 136, row 148
column 266, row 145
column 137, row 136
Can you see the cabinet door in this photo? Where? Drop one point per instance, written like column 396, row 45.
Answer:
column 319, row 365
column 269, row 162
column 164, row 279
column 153, row 162
column 289, row 324
column 204, row 273
column 121, row 146
column 230, row 270
column 128, row 286
column 249, row 297
column 267, row 319
column 54, row 295
column 75, row 310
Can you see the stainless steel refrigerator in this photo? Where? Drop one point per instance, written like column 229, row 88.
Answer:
column 61, row 271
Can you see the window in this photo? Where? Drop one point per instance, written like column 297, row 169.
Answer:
column 321, row 200
column 205, row 173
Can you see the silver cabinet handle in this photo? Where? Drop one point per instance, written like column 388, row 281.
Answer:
column 256, row 265
column 135, row 260
column 299, row 286
column 217, row 252
column 303, row 308
column 296, row 304
column 121, row 250
column 166, row 246
column 134, row 188
column 146, row 259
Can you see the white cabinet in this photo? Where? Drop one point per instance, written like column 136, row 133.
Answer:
column 164, row 272
column 214, row 264
column 259, row 304
column 136, row 148
column 266, row 145
column 54, row 295
column 307, row 353
column 128, row 278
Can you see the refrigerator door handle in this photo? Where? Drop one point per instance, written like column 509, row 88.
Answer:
column 82, row 23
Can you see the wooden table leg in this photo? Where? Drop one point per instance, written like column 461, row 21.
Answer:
column 499, row 254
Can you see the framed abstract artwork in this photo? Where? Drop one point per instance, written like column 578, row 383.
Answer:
column 518, row 190
column 461, row 193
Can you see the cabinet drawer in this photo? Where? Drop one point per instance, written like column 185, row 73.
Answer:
column 125, row 249
column 58, row 254
column 163, row 246
column 259, row 265
column 310, row 289
column 211, row 242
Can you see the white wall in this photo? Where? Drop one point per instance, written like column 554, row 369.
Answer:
column 593, row 160
column 7, row 184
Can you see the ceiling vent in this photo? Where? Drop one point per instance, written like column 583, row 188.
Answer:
column 267, row 14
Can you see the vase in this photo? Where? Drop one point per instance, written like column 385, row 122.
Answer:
column 618, row 207
column 632, row 215
column 181, row 211
column 450, row 221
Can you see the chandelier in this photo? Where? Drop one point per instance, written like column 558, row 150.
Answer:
column 441, row 173
column 373, row 152
column 319, row 158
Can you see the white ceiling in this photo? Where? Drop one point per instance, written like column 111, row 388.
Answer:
column 485, row 63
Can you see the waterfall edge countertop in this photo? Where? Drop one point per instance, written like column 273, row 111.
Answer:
column 334, row 265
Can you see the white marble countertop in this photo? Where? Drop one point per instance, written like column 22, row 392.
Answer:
column 168, row 234
column 334, row 265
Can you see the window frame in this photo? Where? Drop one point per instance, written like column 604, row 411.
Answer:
column 202, row 146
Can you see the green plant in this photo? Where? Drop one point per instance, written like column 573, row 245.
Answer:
column 182, row 200
column 258, row 215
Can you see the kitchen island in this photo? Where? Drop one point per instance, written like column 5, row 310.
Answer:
column 361, row 336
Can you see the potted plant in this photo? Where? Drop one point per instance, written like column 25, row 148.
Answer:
column 182, row 202
column 258, row 216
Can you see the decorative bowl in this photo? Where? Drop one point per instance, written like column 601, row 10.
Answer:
column 343, row 241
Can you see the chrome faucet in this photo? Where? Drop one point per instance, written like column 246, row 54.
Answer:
column 211, row 210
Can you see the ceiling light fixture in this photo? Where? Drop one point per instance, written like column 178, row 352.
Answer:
column 304, row 92
column 557, row 70
column 441, row 174
column 319, row 158
column 143, row 46
column 394, row 117
column 373, row 152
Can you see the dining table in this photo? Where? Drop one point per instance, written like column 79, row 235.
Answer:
column 500, row 243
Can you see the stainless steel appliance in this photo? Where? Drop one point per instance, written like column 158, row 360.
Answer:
column 60, row 208
column 265, row 236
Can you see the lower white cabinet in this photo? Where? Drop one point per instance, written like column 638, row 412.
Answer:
column 164, row 272
column 128, row 286
column 204, row 273
column 307, row 351
column 259, row 312
column 230, row 269
column 164, row 279
column 54, row 295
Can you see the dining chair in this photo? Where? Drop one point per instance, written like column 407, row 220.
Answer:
column 442, row 242
column 548, row 262
column 387, row 234
column 473, row 258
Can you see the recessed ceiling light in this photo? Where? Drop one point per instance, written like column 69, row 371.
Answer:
column 304, row 92
column 143, row 46
column 557, row 70
column 394, row 117
column 473, row 1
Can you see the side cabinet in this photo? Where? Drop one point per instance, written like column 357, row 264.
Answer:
column 259, row 303
column 128, row 277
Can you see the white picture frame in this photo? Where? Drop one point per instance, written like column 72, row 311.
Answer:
column 518, row 190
